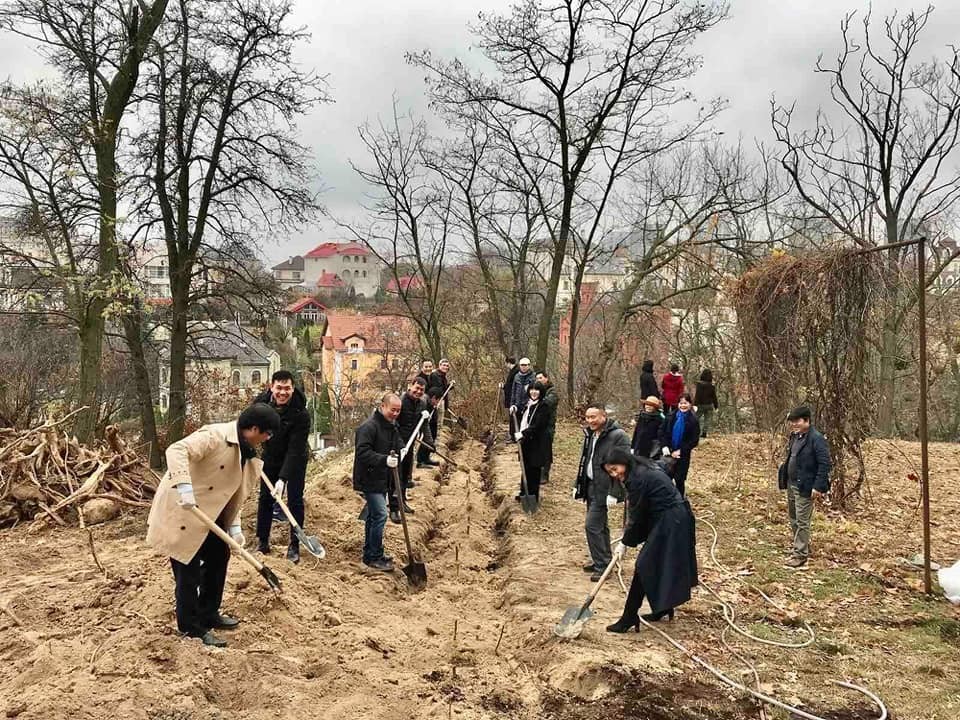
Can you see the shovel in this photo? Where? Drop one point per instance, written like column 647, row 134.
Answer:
column 432, row 449
column 575, row 617
column 416, row 572
column 272, row 580
column 529, row 503
column 311, row 543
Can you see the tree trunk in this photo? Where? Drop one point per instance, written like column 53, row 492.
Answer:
column 888, row 343
column 177, row 413
column 556, row 270
column 133, row 331
column 90, row 334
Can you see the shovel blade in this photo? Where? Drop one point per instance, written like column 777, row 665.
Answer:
column 311, row 544
column 572, row 622
column 272, row 580
column 416, row 573
column 529, row 503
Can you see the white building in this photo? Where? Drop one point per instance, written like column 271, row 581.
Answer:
column 351, row 262
column 290, row 273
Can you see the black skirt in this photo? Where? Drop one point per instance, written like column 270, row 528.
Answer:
column 667, row 563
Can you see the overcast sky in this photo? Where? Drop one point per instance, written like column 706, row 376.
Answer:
column 765, row 47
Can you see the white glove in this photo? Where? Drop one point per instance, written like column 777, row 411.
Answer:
column 619, row 550
column 666, row 451
column 611, row 501
column 574, row 493
column 278, row 489
column 425, row 414
column 392, row 461
column 403, row 453
column 513, row 409
column 187, row 499
column 518, row 436
column 237, row 534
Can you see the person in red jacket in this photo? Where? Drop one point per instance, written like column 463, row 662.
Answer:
column 673, row 387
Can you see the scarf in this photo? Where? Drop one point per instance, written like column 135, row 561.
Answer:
column 679, row 425
column 528, row 414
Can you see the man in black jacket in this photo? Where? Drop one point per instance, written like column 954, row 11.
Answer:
column 601, row 436
column 413, row 408
column 805, row 475
column 377, row 449
column 285, row 458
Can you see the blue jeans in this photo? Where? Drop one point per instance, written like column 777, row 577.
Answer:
column 373, row 527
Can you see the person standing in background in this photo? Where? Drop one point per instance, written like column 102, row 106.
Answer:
column 705, row 400
column 673, row 386
column 648, row 381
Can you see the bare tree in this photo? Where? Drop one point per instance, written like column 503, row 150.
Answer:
column 222, row 166
column 884, row 170
column 582, row 88
column 97, row 48
column 411, row 221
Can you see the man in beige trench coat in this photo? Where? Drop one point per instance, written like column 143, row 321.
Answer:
column 213, row 469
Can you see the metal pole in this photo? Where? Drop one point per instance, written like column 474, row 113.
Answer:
column 924, row 459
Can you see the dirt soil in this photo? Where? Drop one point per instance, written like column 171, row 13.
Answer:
column 477, row 642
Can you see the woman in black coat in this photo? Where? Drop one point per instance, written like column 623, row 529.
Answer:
column 648, row 381
column 666, row 566
column 534, row 438
column 646, row 435
column 679, row 441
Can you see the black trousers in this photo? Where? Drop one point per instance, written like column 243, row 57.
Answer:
column 631, row 609
column 406, row 473
column 680, row 474
column 199, row 586
column 265, row 508
column 533, row 478
column 423, row 453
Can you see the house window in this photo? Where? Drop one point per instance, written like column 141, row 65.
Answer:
column 346, row 274
column 396, row 363
column 354, row 364
column 296, row 274
column 364, row 260
column 346, row 258
column 235, row 378
column 255, row 377
column 383, row 363
column 364, row 273
column 354, row 346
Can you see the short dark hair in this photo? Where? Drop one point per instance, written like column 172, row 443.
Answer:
column 435, row 392
column 418, row 381
column 510, row 359
column 261, row 416
column 800, row 413
column 281, row 376
column 674, row 368
column 686, row 396
column 542, row 372
column 596, row 406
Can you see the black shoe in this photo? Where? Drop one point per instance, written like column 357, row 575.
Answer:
column 422, row 465
column 409, row 485
column 656, row 617
column 208, row 638
column 408, row 510
column 382, row 564
column 278, row 513
column 623, row 625
column 432, row 463
column 224, row 622
column 293, row 553
column 395, row 517
column 596, row 576
column 263, row 547
column 590, row 568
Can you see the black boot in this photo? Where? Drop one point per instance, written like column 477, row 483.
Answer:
column 263, row 546
column 624, row 624
column 656, row 617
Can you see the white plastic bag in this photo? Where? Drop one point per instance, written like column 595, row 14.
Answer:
column 949, row 579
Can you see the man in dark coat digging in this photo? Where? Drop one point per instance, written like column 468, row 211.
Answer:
column 285, row 458
column 413, row 408
column 666, row 567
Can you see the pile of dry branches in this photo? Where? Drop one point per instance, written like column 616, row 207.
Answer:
column 47, row 475
column 806, row 322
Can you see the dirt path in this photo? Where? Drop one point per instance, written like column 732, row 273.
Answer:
column 346, row 642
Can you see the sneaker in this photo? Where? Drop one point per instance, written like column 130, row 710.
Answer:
column 596, row 576
column 382, row 564
column 590, row 568
column 278, row 513
column 208, row 638
column 796, row 562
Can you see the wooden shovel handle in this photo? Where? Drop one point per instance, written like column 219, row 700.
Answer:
column 280, row 502
column 223, row 535
column 600, row 582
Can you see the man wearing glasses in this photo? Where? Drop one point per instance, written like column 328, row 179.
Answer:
column 211, row 469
